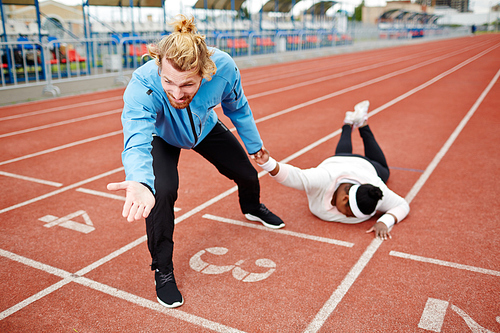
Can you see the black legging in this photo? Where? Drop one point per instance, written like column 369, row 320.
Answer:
column 373, row 152
column 221, row 148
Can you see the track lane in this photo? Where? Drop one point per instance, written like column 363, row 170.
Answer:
column 193, row 182
column 394, row 290
column 186, row 232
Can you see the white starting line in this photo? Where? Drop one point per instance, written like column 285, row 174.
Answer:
column 444, row 263
column 279, row 231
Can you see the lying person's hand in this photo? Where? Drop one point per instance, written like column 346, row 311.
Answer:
column 381, row 231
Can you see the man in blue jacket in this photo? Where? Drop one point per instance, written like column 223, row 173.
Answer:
column 169, row 105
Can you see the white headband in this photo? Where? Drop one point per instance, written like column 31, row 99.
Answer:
column 353, row 204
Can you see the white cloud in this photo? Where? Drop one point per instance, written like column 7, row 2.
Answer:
column 482, row 6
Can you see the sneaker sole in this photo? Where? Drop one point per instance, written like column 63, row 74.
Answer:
column 170, row 306
column 362, row 105
column 361, row 114
column 256, row 219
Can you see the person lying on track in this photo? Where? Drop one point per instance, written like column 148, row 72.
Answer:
column 169, row 106
column 346, row 187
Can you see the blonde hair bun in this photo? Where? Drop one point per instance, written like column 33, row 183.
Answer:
column 184, row 25
column 185, row 49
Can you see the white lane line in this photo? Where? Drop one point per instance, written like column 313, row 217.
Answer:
column 474, row 327
column 35, row 264
column 62, row 108
column 184, row 316
column 61, row 190
column 108, row 195
column 69, row 145
column 368, row 253
column 311, row 146
column 444, row 263
column 423, row 178
column 279, row 231
column 269, row 92
column 34, row 298
column 101, row 194
column 433, row 315
column 274, row 115
column 111, row 256
column 354, row 87
column 391, row 103
column 207, row 204
column 310, row 71
column 30, row 179
column 343, row 287
column 293, row 74
column 68, row 277
column 60, row 123
column 329, row 306
column 142, row 239
column 354, row 273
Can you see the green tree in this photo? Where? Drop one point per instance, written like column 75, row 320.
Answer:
column 358, row 11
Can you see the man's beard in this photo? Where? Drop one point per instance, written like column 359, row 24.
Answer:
column 182, row 105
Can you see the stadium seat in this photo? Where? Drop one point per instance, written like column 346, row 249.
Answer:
column 73, row 56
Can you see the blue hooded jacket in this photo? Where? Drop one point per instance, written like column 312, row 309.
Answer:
column 148, row 112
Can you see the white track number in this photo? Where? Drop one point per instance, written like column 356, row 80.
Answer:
column 66, row 222
column 433, row 317
column 199, row 265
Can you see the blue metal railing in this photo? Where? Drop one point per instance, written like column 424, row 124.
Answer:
column 33, row 63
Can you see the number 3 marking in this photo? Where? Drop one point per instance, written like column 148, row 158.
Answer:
column 239, row 273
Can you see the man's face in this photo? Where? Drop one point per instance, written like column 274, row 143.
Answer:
column 179, row 86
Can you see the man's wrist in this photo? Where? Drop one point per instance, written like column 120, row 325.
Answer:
column 149, row 187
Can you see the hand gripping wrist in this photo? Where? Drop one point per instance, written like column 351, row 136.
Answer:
column 270, row 165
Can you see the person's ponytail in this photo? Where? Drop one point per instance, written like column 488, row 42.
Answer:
column 185, row 49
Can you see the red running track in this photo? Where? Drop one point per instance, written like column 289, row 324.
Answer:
column 71, row 263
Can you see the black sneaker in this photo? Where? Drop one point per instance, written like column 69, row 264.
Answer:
column 266, row 217
column 166, row 290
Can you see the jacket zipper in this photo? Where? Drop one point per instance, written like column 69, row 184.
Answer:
column 192, row 125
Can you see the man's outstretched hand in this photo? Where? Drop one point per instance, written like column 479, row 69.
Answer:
column 138, row 202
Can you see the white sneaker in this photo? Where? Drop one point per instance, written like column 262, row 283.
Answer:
column 349, row 118
column 360, row 113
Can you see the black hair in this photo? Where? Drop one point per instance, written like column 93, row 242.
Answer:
column 367, row 197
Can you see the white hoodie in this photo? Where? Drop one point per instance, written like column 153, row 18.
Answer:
column 320, row 184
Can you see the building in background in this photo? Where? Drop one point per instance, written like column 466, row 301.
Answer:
column 57, row 19
column 461, row 6
column 446, row 12
column 372, row 15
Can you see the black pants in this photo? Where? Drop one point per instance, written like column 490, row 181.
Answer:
column 373, row 152
column 222, row 149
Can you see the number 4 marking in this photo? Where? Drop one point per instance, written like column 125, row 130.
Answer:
column 433, row 317
column 66, row 222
